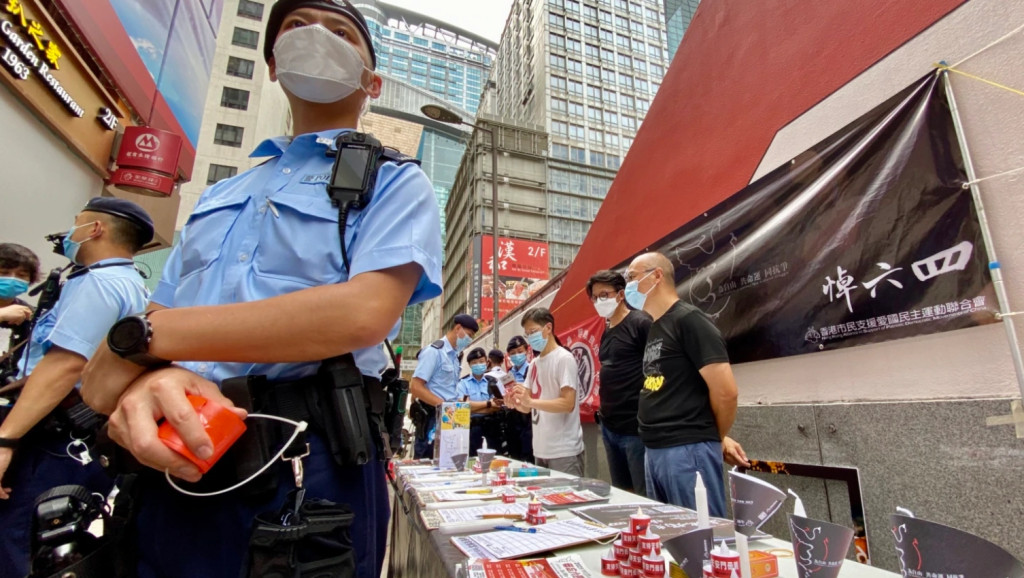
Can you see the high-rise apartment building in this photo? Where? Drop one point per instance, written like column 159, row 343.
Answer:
column 678, row 15
column 584, row 72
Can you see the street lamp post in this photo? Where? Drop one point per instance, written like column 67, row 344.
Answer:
column 444, row 115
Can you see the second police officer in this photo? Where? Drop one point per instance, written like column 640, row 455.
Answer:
column 260, row 285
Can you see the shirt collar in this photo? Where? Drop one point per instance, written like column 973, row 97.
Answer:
column 448, row 346
column 275, row 147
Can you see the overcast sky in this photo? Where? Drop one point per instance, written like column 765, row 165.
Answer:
column 484, row 17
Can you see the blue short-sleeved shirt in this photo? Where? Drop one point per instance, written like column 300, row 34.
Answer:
column 90, row 303
column 475, row 388
column 520, row 372
column 440, row 369
column 272, row 230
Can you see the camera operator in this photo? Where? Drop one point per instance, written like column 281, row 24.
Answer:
column 269, row 282
column 19, row 268
column 38, row 450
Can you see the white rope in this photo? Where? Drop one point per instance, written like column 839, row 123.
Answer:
column 1003, row 39
column 1013, row 314
column 968, row 184
column 300, row 427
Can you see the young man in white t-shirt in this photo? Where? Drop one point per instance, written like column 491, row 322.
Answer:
column 550, row 394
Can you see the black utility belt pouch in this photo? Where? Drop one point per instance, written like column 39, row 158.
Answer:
column 346, row 405
column 313, row 542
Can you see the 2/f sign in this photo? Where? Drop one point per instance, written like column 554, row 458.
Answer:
column 11, row 61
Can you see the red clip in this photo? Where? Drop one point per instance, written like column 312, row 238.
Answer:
column 221, row 424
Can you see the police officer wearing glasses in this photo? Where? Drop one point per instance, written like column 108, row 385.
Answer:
column 265, row 284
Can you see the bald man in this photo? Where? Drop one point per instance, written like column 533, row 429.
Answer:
column 688, row 401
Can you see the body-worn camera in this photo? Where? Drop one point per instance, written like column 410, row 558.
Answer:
column 354, row 172
column 60, row 531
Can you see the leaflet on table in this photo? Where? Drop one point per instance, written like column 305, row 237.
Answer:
column 503, row 544
column 432, row 519
column 565, row 497
column 557, row 567
column 477, row 493
column 667, row 521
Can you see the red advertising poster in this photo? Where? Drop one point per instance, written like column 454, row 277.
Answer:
column 584, row 341
column 148, row 148
column 522, row 270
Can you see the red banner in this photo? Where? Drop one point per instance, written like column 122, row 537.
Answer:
column 522, row 270
column 584, row 341
column 148, row 148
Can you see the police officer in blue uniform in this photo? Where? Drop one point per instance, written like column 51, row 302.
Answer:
column 259, row 285
column 435, row 379
column 102, row 288
column 476, row 388
column 518, row 428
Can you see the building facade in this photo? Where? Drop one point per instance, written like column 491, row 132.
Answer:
column 678, row 15
column 586, row 71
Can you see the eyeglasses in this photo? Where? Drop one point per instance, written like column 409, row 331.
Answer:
column 603, row 295
column 630, row 276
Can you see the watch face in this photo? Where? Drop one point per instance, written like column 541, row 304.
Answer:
column 128, row 336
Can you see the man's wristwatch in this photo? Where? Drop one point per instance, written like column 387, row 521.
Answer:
column 10, row 443
column 129, row 338
column 488, row 404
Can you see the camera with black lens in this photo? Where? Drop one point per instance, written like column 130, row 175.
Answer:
column 61, row 542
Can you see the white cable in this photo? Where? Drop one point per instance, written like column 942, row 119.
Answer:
column 300, row 427
column 1009, row 34
column 968, row 184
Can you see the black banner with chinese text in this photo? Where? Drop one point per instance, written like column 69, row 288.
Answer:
column 866, row 237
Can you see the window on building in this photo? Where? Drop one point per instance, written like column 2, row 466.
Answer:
column 608, row 75
column 658, row 71
column 609, row 96
column 572, row 25
column 572, row 6
column 575, row 88
column 653, row 33
column 576, row 132
column 593, row 51
column 593, row 93
column 573, row 45
column 590, row 31
column 614, row 162
column 641, row 85
column 622, row 23
column 556, row 40
column 240, row 67
column 594, row 114
column 556, row 61
column 628, row 103
column 220, row 172
column 651, row 14
column 559, row 151
column 643, row 104
column 250, row 9
column 590, row 12
column 611, row 118
column 594, row 73
column 556, row 20
column 597, row 159
column 607, row 36
column 234, row 98
column 228, row 135
column 576, row 109
column 638, row 46
column 560, row 4
column 629, row 122
column 622, row 41
column 245, row 38
column 608, row 56
column 636, row 27
column 606, row 18
column 626, row 80
column 641, row 65
column 635, row 9
column 559, row 128
column 558, row 83
column 654, row 51
column 575, row 66
column 625, row 60
column 611, row 140
column 559, row 105
column 621, row 5
column 578, row 155
column 596, row 137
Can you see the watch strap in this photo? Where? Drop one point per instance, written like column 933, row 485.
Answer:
column 11, row 443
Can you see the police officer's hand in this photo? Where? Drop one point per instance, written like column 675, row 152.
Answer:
column 106, row 377
column 5, row 460
column 161, row 394
column 733, row 454
column 15, row 314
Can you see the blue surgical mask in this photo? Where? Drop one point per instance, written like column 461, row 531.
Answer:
column 517, row 359
column 537, row 341
column 11, row 287
column 71, row 247
column 634, row 297
column 478, row 368
column 462, row 343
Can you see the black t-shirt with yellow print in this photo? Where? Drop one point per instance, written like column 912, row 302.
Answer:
column 675, row 408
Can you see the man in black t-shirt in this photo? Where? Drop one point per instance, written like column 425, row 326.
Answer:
column 688, row 401
column 19, row 268
column 622, row 378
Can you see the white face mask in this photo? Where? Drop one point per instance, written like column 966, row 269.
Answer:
column 316, row 65
column 606, row 306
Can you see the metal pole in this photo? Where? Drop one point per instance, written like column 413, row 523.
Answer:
column 986, row 233
column 494, row 235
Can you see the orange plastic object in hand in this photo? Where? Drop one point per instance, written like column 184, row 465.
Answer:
column 221, row 424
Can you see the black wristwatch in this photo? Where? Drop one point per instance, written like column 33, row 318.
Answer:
column 129, row 338
column 10, row 443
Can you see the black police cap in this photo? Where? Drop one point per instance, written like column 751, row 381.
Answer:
column 284, row 7
column 467, row 322
column 126, row 210
column 475, row 353
column 515, row 342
